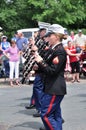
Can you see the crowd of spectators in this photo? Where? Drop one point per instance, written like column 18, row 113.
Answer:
column 76, row 41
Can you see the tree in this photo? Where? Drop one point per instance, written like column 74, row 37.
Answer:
column 12, row 15
column 65, row 12
column 17, row 14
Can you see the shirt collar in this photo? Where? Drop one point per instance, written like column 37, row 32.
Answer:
column 55, row 45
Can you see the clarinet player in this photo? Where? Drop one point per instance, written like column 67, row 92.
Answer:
column 38, row 85
column 52, row 74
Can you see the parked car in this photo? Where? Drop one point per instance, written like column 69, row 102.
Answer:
column 29, row 32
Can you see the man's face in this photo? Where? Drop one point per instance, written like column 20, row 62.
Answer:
column 80, row 33
column 19, row 34
column 42, row 33
column 46, row 39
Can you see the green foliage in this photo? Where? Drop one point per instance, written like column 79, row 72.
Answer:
column 64, row 12
column 16, row 14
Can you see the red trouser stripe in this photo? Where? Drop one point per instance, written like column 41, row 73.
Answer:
column 49, row 109
column 33, row 102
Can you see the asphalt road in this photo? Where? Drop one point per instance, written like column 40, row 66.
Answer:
column 14, row 116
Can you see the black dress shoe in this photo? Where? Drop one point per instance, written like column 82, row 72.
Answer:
column 30, row 106
column 42, row 128
column 63, row 120
column 36, row 114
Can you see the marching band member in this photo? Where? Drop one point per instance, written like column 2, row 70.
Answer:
column 52, row 69
column 38, row 85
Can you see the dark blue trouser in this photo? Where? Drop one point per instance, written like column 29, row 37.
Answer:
column 38, row 91
column 6, row 66
column 51, row 112
column 32, row 101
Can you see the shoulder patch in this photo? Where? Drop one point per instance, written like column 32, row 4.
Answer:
column 56, row 60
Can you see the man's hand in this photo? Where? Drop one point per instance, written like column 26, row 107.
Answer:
column 38, row 58
column 34, row 48
column 35, row 67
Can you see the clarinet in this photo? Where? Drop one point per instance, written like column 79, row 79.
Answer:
column 28, row 58
column 26, row 53
column 31, row 59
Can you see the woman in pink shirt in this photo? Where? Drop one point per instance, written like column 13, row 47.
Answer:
column 13, row 62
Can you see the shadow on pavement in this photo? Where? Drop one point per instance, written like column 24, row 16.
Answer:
column 30, row 125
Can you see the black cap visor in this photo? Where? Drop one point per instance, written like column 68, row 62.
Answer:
column 48, row 34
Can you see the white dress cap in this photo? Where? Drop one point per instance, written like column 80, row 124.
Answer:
column 43, row 25
column 56, row 28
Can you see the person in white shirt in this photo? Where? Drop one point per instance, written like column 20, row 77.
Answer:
column 80, row 39
column 66, row 39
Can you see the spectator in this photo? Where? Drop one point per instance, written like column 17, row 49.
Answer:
column 74, row 61
column 5, row 45
column 13, row 61
column 66, row 39
column 15, row 37
column 21, row 40
column 80, row 39
column 72, row 35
